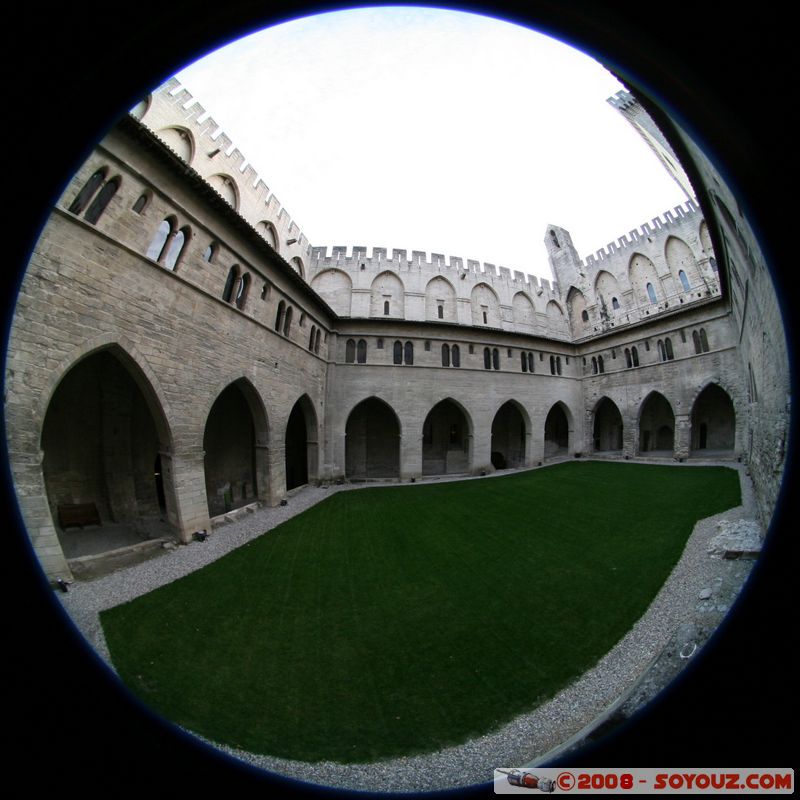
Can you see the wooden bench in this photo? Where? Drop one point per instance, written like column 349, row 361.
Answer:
column 77, row 515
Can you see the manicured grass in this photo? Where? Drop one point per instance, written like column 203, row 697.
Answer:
column 399, row 620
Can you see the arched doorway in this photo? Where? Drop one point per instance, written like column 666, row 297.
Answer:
column 713, row 421
column 101, row 464
column 229, row 442
column 508, row 437
column 657, row 426
column 556, row 432
column 372, row 441
column 301, row 444
column 445, row 440
column 607, row 428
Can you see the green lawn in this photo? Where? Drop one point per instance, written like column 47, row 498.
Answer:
column 393, row 621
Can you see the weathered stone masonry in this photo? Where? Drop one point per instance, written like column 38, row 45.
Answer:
column 179, row 348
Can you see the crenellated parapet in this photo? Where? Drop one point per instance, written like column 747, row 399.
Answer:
column 183, row 124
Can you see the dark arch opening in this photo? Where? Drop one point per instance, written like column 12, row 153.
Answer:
column 657, row 426
column 101, row 443
column 556, row 432
column 229, row 442
column 713, row 421
column 508, row 437
column 607, row 429
column 372, row 441
column 445, row 440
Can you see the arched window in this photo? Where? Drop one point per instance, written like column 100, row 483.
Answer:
column 662, row 354
column 88, row 191
column 651, row 293
column 440, row 311
column 531, row 362
column 445, row 355
column 485, row 317
column 552, row 365
column 456, row 354
column 600, row 366
column 684, row 281
column 523, row 362
column 594, row 366
column 176, row 248
column 398, row 353
column 408, row 353
column 361, row 356
column 230, row 284
column 558, row 364
column 635, row 356
column 350, row 351
column 585, row 315
column 316, row 341
column 287, row 322
column 703, row 340
column 279, row 316
column 386, row 308
column 487, row 358
column 210, row 252
column 628, row 362
column 102, row 200
column 496, row 358
column 614, row 303
column 241, row 291
column 158, row 244
column 696, row 340
column 140, row 204
column 311, row 337
column 668, row 351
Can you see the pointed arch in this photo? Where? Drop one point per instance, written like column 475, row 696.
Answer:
column 607, row 426
column 447, row 439
column 656, row 422
column 372, row 440
column 301, row 439
column 336, row 287
column 387, row 288
column 713, row 420
column 440, row 300
column 510, row 436
column 485, row 306
column 558, row 426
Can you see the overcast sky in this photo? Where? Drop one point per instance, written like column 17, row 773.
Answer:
column 433, row 130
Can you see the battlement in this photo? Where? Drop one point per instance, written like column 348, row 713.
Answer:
column 172, row 105
column 656, row 227
column 457, row 267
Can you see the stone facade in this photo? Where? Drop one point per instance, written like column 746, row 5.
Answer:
column 179, row 348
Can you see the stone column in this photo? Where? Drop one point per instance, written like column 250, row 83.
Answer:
column 410, row 456
column 263, row 483
column 184, row 476
column 683, row 435
column 276, row 460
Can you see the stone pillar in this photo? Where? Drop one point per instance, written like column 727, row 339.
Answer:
column 184, row 477
column 480, row 451
column 630, row 437
column 528, row 459
column 683, row 435
column 410, row 456
column 276, row 460
column 263, row 483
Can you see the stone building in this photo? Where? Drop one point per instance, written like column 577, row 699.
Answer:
column 179, row 349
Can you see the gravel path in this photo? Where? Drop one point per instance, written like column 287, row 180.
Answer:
column 691, row 604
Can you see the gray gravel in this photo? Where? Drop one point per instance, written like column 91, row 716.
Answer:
column 691, row 604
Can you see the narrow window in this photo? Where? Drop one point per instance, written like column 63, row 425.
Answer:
column 594, row 366
column 487, row 358
column 398, row 353
column 703, row 340
column 316, row 341
column 684, row 281
column 635, row 356
column 472, row 349
column 456, row 354
column 87, row 193
column 350, row 351
column 668, row 349
column 558, row 364
column 552, row 365
column 683, row 336
column 696, row 340
column 440, row 311
column 614, row 303
column 362, row 351
column 409, row 353
column 496, row 358
column 102, row 200
column 530, row 362
column 445, row 355
column 662, row 355
column 140, row 204
column 230, row 285
column 485, row 318
column 523, row 362
column 265, row 291
column 279, row 315
column 651, row 293
column 427, row 346
column 176, row 248
column 287, row 322
column 156, row 249
column 379, row 345
column 209, row 254
column 585, row 315
column 311, row 337
column 600, row 365
column 628, row 362
column 241, row 292
column 386, row 308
